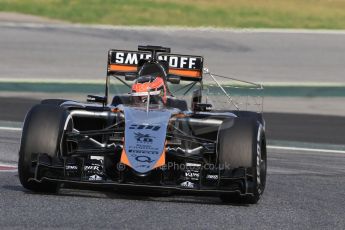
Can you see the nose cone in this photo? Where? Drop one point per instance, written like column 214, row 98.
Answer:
column 145, row 137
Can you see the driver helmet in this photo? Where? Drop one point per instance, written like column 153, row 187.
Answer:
column 149, row 85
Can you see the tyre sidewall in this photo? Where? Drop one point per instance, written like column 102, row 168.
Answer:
column 42, row 131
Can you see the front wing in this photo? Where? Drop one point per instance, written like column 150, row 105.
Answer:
column 192, row 178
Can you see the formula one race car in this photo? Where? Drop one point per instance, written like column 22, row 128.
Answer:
column 146, row 137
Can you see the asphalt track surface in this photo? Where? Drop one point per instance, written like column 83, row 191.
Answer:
column 304, row 191
column 68, row 52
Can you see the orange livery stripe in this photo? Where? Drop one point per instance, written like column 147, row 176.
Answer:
column 186, row 73
column 122, row 68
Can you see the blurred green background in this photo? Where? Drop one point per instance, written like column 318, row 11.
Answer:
column 316, row 14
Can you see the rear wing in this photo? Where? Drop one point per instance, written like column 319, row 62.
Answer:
column 122, row 62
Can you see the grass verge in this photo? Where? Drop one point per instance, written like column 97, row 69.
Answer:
column 312, row 14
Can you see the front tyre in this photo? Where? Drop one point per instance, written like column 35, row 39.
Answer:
column 42, row 133
column 242, row 144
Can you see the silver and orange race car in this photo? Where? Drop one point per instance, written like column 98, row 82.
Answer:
column 153, row 129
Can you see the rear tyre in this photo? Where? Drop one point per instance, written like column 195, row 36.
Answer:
column 56, row 102
column 121, row 99
column 176, row 103
column 242, row 145
column 250, row 115
column 42, row 132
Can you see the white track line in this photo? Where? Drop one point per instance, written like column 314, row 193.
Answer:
column 10, row 128
column 8, row 164
column 305, row 149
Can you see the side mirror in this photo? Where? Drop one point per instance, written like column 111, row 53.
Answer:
column 202, row 107
column 131, row 76
column 97, row 99
column 173, row 79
